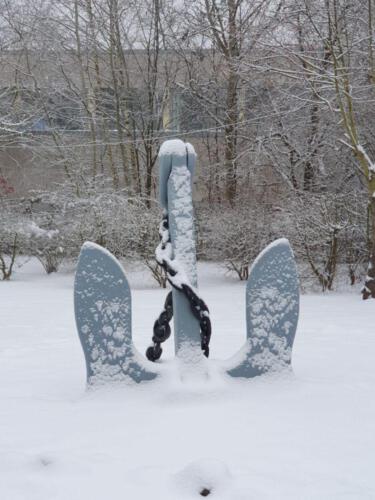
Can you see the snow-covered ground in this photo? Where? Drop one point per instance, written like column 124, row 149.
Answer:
column 307, row 435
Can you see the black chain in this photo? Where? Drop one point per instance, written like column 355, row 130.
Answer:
column 200, row 310
column 162, row 330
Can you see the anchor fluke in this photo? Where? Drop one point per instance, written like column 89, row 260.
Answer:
column 102, row 304
column 272, row 308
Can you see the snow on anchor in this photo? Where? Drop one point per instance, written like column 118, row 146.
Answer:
column 102, row 295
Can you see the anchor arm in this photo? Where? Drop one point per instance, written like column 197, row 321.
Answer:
column 272, row 308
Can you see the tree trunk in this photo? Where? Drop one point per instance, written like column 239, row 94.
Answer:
column 369, row 287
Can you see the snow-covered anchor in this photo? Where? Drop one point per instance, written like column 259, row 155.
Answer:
column 103, row 301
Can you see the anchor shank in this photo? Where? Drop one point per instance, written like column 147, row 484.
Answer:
column 182, row 233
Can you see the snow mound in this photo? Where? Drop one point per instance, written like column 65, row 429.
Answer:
column 201, row 478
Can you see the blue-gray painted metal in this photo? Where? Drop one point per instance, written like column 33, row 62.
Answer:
column 177, row 166
column 182, row 154
column 102, row 303
column 272, row 308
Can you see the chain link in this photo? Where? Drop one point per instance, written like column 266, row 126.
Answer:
column 162, row 330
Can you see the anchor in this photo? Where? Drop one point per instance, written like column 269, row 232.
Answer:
column 102, row 296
